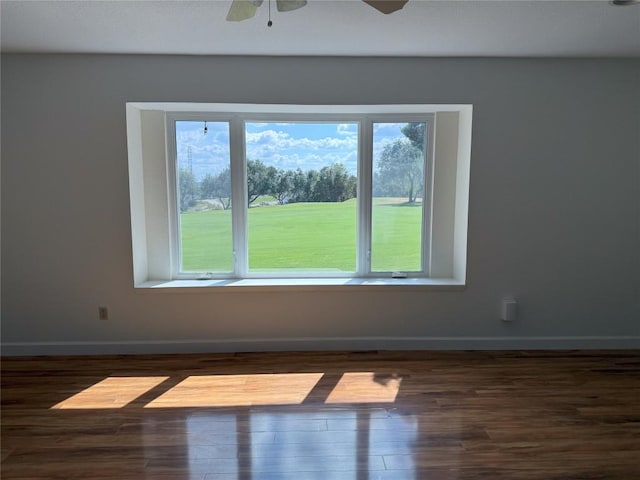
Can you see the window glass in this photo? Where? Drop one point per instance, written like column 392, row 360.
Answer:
column 397, row 200
column 301, row 192
column 298, row 184
column 204, row 196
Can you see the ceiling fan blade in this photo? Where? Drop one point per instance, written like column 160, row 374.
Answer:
column 242, row 10
column 288, row 5
column 386, row 6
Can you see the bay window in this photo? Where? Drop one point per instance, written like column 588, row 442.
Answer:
column 259, row 192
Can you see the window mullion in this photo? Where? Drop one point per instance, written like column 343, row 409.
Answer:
column 173, row 216
column 239, row 197
column 365, row 169
column 427, row 196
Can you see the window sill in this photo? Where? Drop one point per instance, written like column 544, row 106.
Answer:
column 261, row 284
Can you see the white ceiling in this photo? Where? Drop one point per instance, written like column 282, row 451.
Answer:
column 325, row 27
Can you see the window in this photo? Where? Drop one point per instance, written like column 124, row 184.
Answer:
column 203, row 198
column 302, row 189
column 298, row 181
column 399, row 196
column 268, row 192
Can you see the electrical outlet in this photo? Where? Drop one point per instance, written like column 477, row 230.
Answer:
column 103, row 313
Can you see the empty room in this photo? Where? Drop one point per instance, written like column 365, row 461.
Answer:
column 320, row 240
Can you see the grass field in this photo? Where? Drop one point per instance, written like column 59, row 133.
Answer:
column 306, row 236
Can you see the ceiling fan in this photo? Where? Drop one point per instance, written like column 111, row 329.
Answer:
column 245, row 9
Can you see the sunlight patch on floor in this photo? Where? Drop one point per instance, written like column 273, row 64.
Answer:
column 112, row 392
column 238, row 390
column 365, row 387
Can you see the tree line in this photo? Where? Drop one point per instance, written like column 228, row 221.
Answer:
column 329, row 184
column 399, row 173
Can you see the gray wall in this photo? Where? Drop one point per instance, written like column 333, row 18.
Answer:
column 554, row 214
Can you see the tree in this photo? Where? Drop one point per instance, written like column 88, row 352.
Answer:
column 260, row 179
column 299, row 186
column 415, row 133
column 401, row 169
column 207, row 186
column 310, row 190
column 334, row 184
column 282, row 186
column 352, row 186
column 189, row 190
column 218, row 187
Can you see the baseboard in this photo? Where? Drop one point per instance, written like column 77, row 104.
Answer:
column 320, row 344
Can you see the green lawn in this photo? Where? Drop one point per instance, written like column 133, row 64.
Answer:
column 318, row 236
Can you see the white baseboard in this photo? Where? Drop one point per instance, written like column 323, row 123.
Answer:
column 320, row 344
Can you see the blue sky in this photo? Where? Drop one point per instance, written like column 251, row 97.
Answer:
column 288, row 146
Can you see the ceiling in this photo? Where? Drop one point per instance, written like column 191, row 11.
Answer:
column 477, row 28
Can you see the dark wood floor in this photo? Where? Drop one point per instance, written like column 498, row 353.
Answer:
column 357, row 416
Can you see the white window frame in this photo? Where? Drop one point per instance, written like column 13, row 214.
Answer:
column 238, row 165
column 427, row 190
column 154, row 211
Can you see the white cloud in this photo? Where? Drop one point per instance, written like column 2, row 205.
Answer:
column 210, row 152
column 280, row 149
column 281, row 140
column 387, row 128
column 347, row 129
column 309, row 161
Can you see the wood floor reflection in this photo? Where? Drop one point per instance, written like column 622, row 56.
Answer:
column 356, row 416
